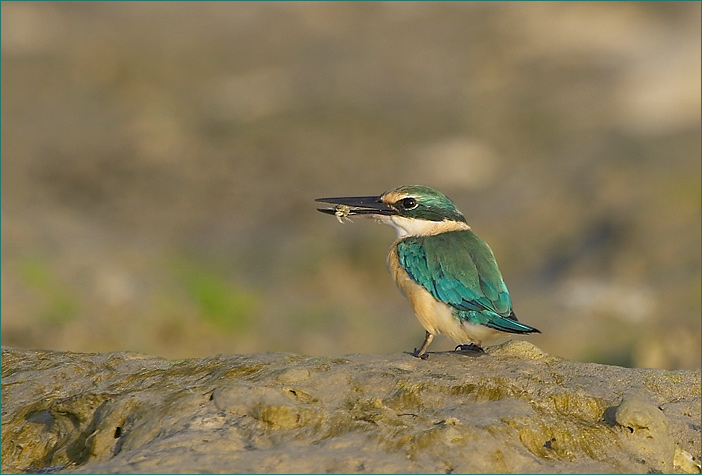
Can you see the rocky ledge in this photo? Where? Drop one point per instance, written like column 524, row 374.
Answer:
column 511, row 409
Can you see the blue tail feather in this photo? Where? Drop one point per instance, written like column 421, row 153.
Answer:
column 510, row 326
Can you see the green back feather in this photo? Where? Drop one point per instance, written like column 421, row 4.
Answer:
column 459, row 269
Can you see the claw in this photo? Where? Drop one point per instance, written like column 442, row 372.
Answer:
column 470, row 347
column 422, row 352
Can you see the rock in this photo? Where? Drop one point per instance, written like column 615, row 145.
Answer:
column 646, row 428
column 512, row 409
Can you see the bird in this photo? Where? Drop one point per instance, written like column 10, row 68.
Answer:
column 448, row 273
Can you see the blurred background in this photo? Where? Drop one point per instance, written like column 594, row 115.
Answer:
column 160, row 163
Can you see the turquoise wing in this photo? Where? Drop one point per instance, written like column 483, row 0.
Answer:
column 459, row 269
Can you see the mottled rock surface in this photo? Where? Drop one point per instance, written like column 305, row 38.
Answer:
column 512, row 409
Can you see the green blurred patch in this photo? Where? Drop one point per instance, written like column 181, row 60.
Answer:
column 219, row 299
column 59, row 304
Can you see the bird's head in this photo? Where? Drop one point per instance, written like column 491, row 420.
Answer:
column 413, row 210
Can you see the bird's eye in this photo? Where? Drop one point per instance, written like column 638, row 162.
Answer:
column 409, row 203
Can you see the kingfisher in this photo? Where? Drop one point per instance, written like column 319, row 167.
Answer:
column 448, row 274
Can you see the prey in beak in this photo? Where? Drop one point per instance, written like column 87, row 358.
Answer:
column 370, row 206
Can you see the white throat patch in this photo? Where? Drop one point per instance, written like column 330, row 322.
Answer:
column 420, row 227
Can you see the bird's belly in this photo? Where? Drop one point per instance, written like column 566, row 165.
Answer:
column 438, row 318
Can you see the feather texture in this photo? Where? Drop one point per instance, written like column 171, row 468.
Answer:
column 459, row 269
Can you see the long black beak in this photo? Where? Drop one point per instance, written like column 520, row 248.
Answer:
column 356, row 205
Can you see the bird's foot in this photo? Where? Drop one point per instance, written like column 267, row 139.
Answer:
column 470, row 347
column 422, row 352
